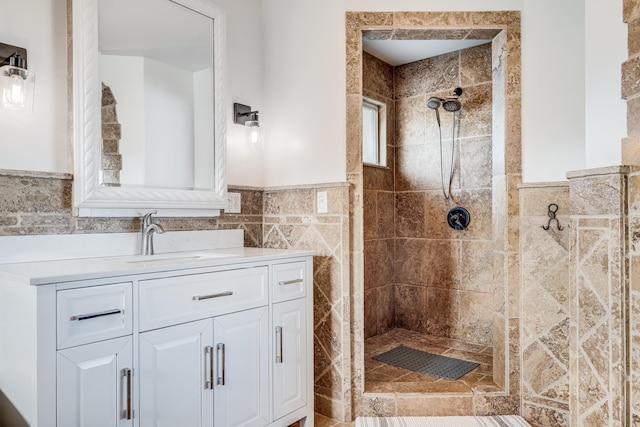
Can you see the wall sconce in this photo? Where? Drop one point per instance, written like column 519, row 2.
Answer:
column 17, row 84
column 243, row 115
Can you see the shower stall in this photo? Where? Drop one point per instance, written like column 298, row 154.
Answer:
column 427, row 218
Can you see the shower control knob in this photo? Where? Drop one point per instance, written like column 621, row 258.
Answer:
column 458, row 218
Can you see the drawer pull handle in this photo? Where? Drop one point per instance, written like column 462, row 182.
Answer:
column 220, row 350
column 221, row 294
column 279, row 344
column 208, row 384
column 291, row 282
column 79, row 317
column 126, row 373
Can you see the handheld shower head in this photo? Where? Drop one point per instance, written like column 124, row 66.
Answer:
column 434, row 102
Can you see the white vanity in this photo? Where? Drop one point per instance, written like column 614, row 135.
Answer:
column 217, row 337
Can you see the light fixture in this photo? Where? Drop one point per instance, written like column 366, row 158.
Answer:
column 16, row 82
column 243, row 115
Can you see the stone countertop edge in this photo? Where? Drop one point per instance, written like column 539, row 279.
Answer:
column 71, row 270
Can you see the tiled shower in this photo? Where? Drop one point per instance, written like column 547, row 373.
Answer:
column 420, row 274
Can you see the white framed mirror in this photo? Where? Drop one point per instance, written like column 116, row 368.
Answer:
column 148, row 96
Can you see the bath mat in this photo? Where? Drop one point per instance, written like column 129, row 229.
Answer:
column 492, row 421
column 426, row 363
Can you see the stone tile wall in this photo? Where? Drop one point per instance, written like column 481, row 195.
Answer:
column 633, row 344
column 545, row 257
column 291, row 222
column 631, row 156
column 443, row 277
column 631, row 84
column 379, row 310
column 599, row 297
column 504, row 29
column 40, row 203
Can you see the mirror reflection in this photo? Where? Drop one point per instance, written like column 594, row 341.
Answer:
column 156, row 67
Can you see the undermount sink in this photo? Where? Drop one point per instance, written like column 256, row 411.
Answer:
column 170, row 258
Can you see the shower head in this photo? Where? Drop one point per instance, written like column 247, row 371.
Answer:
column 434, row 102
column 452, row 105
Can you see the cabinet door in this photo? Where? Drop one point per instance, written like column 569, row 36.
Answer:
column 290, row 357
column 175, row 376
column 94, row 384
column 241, row 369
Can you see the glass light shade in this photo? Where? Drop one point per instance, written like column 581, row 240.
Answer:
column 16, row 88
column 254, row 131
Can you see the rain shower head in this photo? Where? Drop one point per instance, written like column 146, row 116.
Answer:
column 451, row 105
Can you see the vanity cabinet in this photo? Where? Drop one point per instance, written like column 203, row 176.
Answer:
column 289, row 331
column 188, row 370
column 219, row 345
column 94, row 384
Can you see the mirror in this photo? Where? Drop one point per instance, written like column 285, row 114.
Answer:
column 148, row 107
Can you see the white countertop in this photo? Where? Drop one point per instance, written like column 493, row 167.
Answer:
column 46, row 272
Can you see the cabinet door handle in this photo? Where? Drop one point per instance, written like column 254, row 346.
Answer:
column 278, row 344
column 79, row 317
column 221, row 294
column 290, row 282
column 126, row 413
column 208, row 376
column 220, row 348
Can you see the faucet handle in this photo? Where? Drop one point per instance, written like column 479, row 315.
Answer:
column 146, row 219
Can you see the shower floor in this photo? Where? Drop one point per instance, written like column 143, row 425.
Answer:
column 383, row 378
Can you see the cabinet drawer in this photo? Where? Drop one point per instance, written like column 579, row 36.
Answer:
column 289, row 281
column 165, row 302
column 92, row 314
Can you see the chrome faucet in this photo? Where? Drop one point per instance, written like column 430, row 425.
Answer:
column 149, row 228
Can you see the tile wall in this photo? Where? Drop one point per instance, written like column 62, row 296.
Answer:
column 379, row 215
column 503, row 224
column 443, row 277
column 434, row 266
column 291, row 222
column 545, row 258
column 41, row 203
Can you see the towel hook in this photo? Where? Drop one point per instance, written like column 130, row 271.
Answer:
column 552, row 209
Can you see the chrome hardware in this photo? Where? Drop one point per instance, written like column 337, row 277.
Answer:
column 279, row 344
column 127, row 413
column 291, row 282
column 220, row 348
column 208, row 383
column 79, row 317
column 149, row 228
column 221, row 294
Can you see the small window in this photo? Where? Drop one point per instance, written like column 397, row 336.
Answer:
column 373, row 123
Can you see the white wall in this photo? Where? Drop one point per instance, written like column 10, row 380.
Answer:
column 245, row 82
column 606, row 112
column 37, row 141
column 168, row 95
column 286, row 59
column 553, row 92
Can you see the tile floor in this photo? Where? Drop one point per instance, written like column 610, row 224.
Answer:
column 383, row 378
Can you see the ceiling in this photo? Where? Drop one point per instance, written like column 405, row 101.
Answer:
column 399, row 52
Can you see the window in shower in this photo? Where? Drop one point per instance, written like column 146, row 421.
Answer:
column 373, row 134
